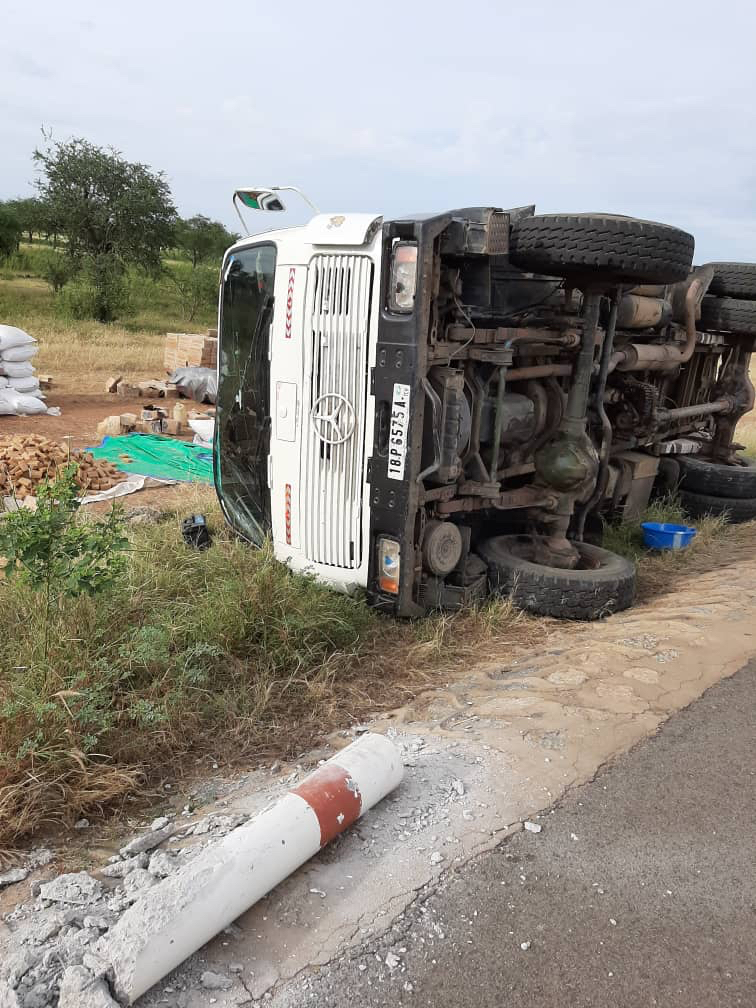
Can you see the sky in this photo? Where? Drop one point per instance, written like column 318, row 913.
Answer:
column 644, row 108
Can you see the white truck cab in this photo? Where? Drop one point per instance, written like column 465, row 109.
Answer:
column 298, row 336
column 435, row 407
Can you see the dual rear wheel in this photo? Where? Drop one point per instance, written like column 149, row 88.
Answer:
column 711, row 488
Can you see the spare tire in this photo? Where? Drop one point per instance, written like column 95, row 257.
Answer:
column 735, row 509
column 736, row 280
column 604, row 584
column 703, row 476
column 722, row 314
column 601, row 246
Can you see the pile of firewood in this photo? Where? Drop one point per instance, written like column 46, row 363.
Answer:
column 26, row 460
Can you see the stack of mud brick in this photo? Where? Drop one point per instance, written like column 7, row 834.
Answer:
column 191, row 350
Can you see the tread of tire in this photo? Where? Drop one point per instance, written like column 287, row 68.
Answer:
column 737, row 280
column 564, row 594
column 624, row 247
column 717, row 480
column 723, row 314
column 736, row 509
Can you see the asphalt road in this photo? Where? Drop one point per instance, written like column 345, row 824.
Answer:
column 639, row 890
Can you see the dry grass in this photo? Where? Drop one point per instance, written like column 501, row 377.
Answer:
column 223, row 652
column 88, row 352
column 85, row 352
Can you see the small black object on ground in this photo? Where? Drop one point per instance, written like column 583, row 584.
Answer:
column 195, row 532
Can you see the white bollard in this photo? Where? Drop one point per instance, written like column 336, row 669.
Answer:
column 176, row 917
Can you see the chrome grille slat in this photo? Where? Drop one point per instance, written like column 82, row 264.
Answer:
column 338, row 317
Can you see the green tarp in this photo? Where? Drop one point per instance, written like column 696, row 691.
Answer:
column 158, row 456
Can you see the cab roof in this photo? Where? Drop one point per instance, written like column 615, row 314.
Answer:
column 324, row 229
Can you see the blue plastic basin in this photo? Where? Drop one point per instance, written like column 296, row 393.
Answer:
column 662, row 536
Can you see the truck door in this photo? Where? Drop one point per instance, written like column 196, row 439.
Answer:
column 243, row 415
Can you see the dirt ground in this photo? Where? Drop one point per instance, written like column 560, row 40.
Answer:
column 80, row 413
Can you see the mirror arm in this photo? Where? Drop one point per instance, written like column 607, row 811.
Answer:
column 238, row 212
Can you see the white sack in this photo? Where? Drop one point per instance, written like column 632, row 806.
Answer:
column 28, row 384
column 10, row 336
column 19, row 353
column 18, row 404
column 13, row 369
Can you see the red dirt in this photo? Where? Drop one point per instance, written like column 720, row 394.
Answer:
column 80, row 414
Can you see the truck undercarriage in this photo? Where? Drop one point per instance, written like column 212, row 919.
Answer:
column 563, row 367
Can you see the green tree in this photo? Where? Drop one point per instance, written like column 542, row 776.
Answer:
column 201, row 239
column 57, row 269
column 197, row 288
column 10, row 231
column 114, row 213
column 32, row 215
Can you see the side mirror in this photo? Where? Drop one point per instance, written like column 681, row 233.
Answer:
column 264, row 198
column 259, row 199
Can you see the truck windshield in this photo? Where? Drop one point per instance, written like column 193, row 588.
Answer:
column 243, row 409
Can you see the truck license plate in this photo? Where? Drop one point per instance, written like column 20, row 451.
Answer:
column 398, row 432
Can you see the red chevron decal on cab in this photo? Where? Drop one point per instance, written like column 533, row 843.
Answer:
column 290, row 301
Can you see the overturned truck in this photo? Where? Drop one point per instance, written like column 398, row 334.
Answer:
column 435, row 408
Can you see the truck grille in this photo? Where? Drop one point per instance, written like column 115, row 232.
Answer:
column 338, row 314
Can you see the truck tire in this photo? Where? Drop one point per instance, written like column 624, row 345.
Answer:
column 723, row 314
column 737, row 280
column 621, row 249
column 735, row 509
column 718, row 480
column 607, row 585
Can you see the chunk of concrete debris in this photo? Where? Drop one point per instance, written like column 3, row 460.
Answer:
column 436, row 857
column 459, row 787
column 120, row 869
column 532, row 827
column 137, row 881
column 217, row 824
column 12, row 876
column 78, row 888
column 8, row 997
column 40, row 857
column 79, row 989
column 160, row 823
column 215, row 981
column 162, row 863
column 147, row 841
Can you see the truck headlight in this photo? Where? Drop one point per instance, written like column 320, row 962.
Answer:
column 403, row 276
column 389, row 565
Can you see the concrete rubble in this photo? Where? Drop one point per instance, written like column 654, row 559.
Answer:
column 12, row 876
column 70, row 943
column 57, row 962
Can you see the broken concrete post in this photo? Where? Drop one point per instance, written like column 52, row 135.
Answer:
column 176, row 917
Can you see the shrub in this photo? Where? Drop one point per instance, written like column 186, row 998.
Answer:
column 99, row 291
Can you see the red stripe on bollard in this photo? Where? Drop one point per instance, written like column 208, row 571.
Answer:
column 334, row 798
